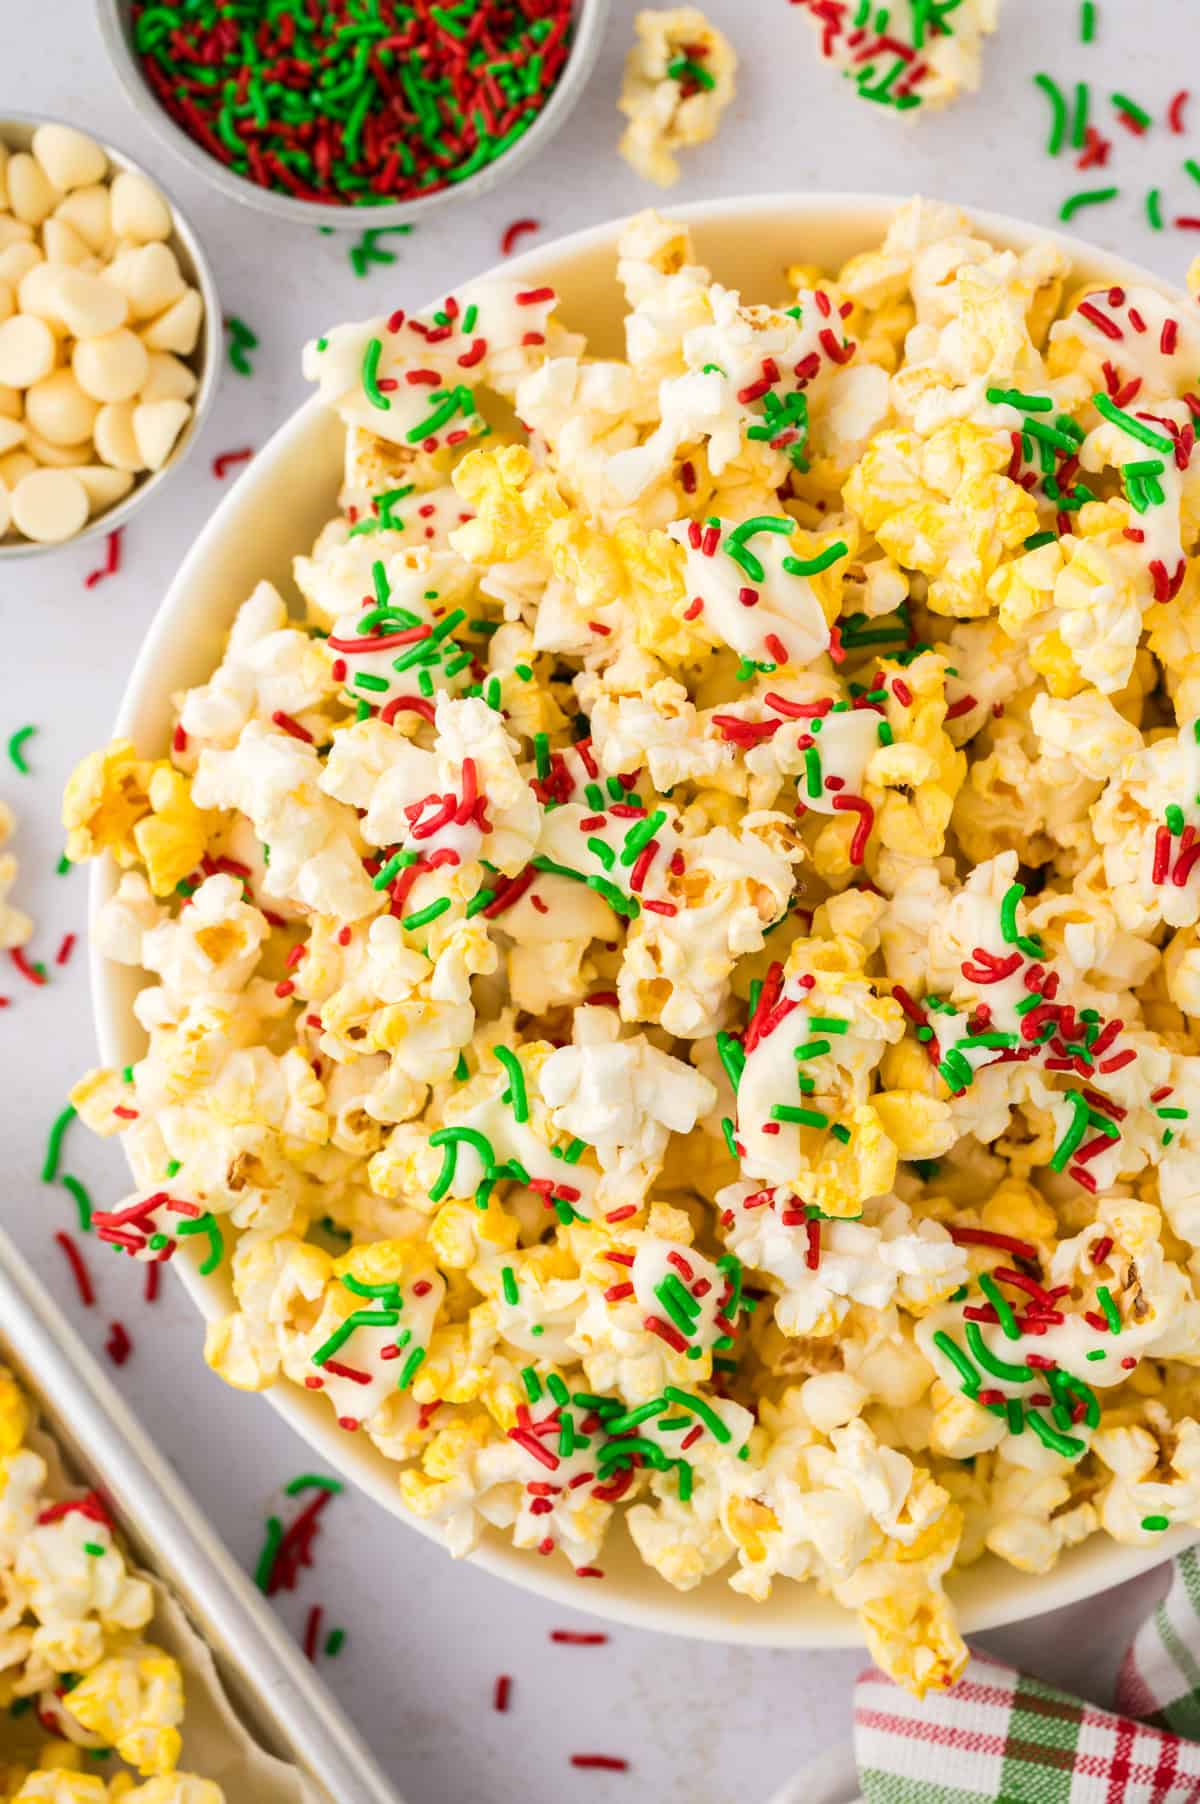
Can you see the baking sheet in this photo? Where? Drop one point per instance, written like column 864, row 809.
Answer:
column 300, row 1749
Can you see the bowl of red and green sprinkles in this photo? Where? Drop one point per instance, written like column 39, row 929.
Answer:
column 319, row 109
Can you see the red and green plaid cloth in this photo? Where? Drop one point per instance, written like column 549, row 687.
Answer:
column 1000, row 1737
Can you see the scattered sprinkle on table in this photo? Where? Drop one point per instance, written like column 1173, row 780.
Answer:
column 502, row 1692
column 334, row 1642
column 368, row 249
column 83, row 1203
column 1087, row 21
column 520, row 228
column 224, row 461
column 16, row 748
column 118, row 1346
column 242, row 340
column 66, row 947
column 578, row 1637
column 112, row 560
column 353, row 108
column 312, row 1632
column 1088, row 197
column 54, row 1142
column 605, row 1763
column 32, row 973
column 79, row 1270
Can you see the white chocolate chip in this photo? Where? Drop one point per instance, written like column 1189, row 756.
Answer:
column 139, row 211
column 88, row 212
column 89, row 306
column 38, row 295
column 111, row 368
column 104, row 485
column 49, row 505
column 61, row 243
column 149, row 277
column 70, row 158
column 12, row 434
column 179, row 327
column 58, row 457
column 26, row 350
column 32, row 196
column 167, row 379
column 14, row 465
column 57, row 409
column 14, row 231
column 114, row 437
column 156, row 426
column 16, row 260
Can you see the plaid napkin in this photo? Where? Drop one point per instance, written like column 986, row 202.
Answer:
column 1000, row 1737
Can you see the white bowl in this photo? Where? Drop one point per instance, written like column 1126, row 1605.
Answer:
column 275, row 510
column 16, row 131
column 587, row 32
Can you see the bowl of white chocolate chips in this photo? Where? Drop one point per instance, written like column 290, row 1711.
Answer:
column 109, row 335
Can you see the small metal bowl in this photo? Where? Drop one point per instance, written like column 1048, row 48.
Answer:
column 116, row 29
column 16, row 131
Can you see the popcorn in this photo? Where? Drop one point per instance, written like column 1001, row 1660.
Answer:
column 71, row 1641
column 678, row 82
column 706, row 902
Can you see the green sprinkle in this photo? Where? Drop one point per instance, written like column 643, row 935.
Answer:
column 370, row 375
column 1087, row 21
column 796, row 566
column 1030, row 946
column 265, row 1565
column 1058, row 106
column 83, row 1201
column 1015, row 397
column 1087, row 197
column 16, row 748
column 1098, row 1353
column 360, row 1318
column 733, row 1057
column 532, row 1383
column 423, row 916
column 999, row 1368
column 334, row 1642
column 516, row 1079
column 1154, row 209
column 829, row 1024
column 1173, row 815
column 1132, row 110
column 411, row 1367
column 1080, row 123
column 1000, row 1304
column 954, row 1353
column 698, row 1407
column 314, row 1481
column 1066, row 1148
column 1068, row 1445
column 54, row 1143
column 802, row 1117
column 1135, row 428
column 511, row 1293
column 1155, row 1524
column 1112, row 1314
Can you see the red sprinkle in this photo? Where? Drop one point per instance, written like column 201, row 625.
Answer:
column 1175, row 112
column 605, row 1763
column 291, row 726
column 225, row 460
column 118, row 1346
column 578, row 1637
column 983, row 1237
column 519, row 228
column 312, row 1632
column 501, row 1692
column 112, row 561
column 64, row 951
column 75, row 1260
column 31, row 973
column 1101, row 321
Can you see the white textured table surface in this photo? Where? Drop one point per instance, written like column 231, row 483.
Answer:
column 427, row 1637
